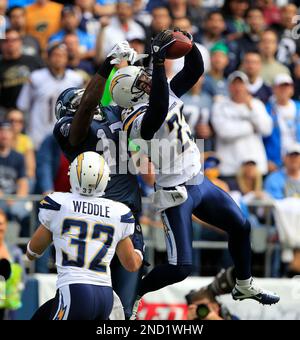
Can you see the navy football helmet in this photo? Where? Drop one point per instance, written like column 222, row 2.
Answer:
column 68, row 101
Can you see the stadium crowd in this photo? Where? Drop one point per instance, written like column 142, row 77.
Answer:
column 246, row 107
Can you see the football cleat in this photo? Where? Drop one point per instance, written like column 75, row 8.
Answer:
column 253, row 292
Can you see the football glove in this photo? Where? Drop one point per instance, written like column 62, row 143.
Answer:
column 122, row 51
column 160, row 43
column 187, row 34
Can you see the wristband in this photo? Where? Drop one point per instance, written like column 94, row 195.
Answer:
column 33, row 254
column 105, row 69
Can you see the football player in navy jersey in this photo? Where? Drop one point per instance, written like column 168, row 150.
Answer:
column 83, row 126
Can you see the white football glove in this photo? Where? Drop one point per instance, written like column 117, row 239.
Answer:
column 122, row 51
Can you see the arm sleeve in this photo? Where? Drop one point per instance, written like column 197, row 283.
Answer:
column 158, row 103
column 192, row 70
column 261, row 119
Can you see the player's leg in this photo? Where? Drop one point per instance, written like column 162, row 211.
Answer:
column 216, row 207
column 178, row 236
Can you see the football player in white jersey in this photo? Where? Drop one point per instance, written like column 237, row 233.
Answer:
column 153, row 112
column 86, row 231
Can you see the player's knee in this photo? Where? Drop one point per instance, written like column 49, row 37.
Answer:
column 183, row 271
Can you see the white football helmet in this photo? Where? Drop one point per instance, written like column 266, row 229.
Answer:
column 89, row 174
column 130, row 85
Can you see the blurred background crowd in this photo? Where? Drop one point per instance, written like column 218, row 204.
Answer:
column 246, row 107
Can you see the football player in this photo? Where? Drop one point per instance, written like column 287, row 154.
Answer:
column 153, row 110
column 86, row 230
column 83, row 126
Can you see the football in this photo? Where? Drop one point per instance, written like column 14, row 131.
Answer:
column 180, row 47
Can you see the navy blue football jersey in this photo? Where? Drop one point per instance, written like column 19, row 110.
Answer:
column 103, row 137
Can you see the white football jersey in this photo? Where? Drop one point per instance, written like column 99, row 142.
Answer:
column 172, row 149
column 86, row 231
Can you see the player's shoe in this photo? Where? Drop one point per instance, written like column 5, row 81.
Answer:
column 135, row 308
column 253, row 292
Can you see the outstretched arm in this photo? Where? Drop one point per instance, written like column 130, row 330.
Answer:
column 159, row 96
column 94, row 91
column 192, row 70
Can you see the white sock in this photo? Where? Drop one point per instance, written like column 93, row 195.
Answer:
column 244, row 283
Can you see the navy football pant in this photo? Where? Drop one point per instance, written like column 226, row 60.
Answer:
column 214, row 206
column 82, row 302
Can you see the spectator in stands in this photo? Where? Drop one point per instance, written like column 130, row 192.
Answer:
column 197, row 112
column 140, row 14
column 182, row 9
column 89, row 20
column 85, row 68
column 252, row 65
column 69, row 22
column 250, row 38
column 240, row 122
column 287, row 43
column 161, row 20
column 13, row 180
column 215, row 83
column 38, row 96
column 282, row 185
column 52, row 168
column 196, row 11
column 17, row 21
column 15, row 283
column 250, row 181
column 213, row 30
column 270, row 11
column 120, row 26
column 270, row 66
column 23, row 144
column 185, row 25
column 212, row 172
column 15, row 68
column 105, row 7
column 285, row 182
column 3, row 18
column 43, row 20
column 285, row 113
column 234, row 13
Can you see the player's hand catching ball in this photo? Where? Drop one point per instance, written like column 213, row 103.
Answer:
column 160, row 44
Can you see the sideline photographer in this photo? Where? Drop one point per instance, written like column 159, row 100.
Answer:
column 204, row 305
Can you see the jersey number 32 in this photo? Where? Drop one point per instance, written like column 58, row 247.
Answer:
column 81, row 243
